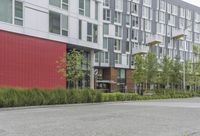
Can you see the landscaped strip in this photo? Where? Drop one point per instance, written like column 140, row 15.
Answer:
column 13, row 97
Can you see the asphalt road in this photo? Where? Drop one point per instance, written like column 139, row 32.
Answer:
column 146, row 118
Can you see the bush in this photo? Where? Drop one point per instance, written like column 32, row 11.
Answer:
column 14, row 97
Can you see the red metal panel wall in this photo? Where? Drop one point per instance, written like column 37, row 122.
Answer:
column 29, row 62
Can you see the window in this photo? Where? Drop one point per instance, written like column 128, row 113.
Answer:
column 127, row 46
column 84, row 7
column 105, row 43
column 147, row 25
column 160, row 28
column 145, row 12
column 182, row 12
column 171, row 20
column 135, row 21
column 95, row 33
column 80, row 29
column 56, row 3
column 134, row 8
column 127, row 20
column 188, row 14
column 54, row 22
column 65, row 4
column 104, row 57
column 162, row 5
column 96, row 10
column 162, row 17
column 59, row 3
column 106, row 29
column 6, row 11
column 106, row 3
column 118, row 31
column 18, row 13
column 117, row 46
column 92, row 33
column 134, row 34
column 97, row 57
column 106, row 14
column 169, row 31
column 119, row 5
column 118, row 58
column 169, row 8
column 65, row 25
column 181, row 23
column 127, row 33
column 147, row 2
column 118, row 17
column 128, row 6
column 128, row 59
column 197, row 17
column 174, row 10
column 89, row 32
column 58, row 23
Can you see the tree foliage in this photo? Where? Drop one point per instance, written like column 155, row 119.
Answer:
column 70, row 66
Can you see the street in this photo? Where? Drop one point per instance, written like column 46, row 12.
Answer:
column 179, row 117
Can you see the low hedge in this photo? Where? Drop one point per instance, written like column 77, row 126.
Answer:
column 14, row 97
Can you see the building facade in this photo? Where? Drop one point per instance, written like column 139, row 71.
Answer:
column 139, row 26
column 34, row 34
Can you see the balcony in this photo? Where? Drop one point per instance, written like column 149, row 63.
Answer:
column 177, row 34
column 153, row 40
column 140, row 50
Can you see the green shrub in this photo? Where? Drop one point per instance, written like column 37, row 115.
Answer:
column 13, row 97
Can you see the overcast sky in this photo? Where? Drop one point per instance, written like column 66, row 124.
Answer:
column 195, row 2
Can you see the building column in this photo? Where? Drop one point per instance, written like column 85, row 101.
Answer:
column 92, row 56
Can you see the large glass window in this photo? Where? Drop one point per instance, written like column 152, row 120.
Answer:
column 92, row 33
column 106, row 14
column 95, row 33
column 80, row 29
column 118, row 17
column 118, row 31
column 87, row 8
column 106, row 3
column 18, row 13
column 134, row 8
column 105, row 43
column 54, row 22
column 6, row 11
column 89, row 32
column 96, row 10
column 65, row 4
column 84, row 7
column 56, row 3
column 106, row 29
column 59, row 3
column 118, row 58
column 64, row 25
column 119, row 4
column 117, row 46
column 58, row 24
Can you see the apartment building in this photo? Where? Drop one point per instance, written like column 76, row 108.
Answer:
column 130, row 27
column 34, row 34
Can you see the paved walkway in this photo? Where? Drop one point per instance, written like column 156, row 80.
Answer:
column 148, row 118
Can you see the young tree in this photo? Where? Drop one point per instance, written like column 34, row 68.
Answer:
column 166, row 68
column 151, row 67
column 139, row 74
column 196, row 66
column 176, row 75
column 70, row 66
